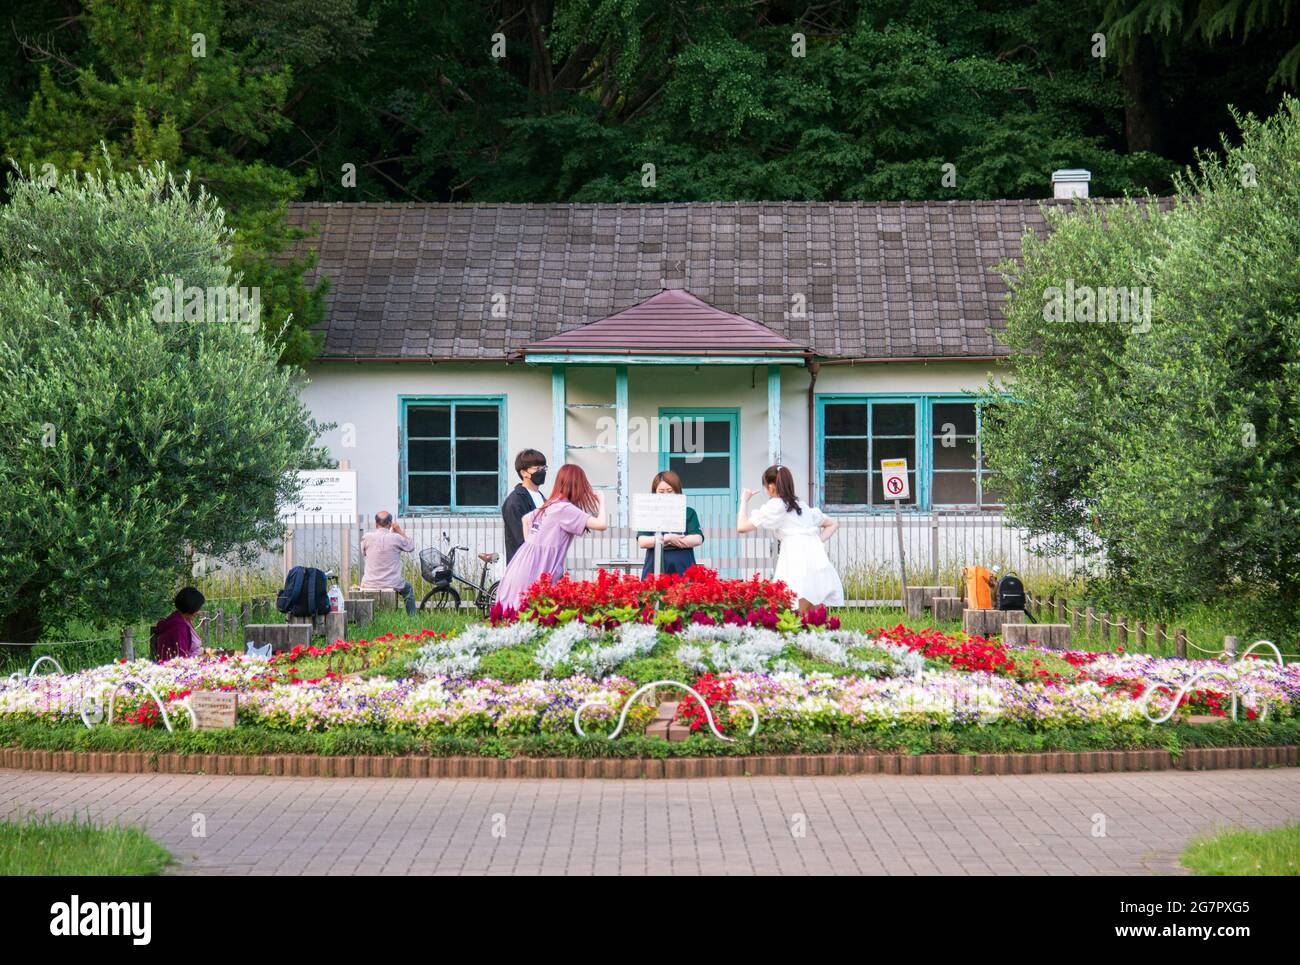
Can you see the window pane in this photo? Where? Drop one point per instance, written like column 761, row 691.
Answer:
column 717, row 436
column 709, row 472
column 893, row 419
column 476, row 420
column 428, row 420
column 427, row 455
column 894, row 449
column 844, row 419
column 846, row 489
column 846, row 454
column 959, row 415
column 695, row 434
column 476, row 490
column 959, row 455
column 480, row 454
column 953, row 488
column 878, row 490
column 429, row 490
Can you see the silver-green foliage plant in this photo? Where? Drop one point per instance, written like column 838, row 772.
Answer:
column 129, row 438
column 1168, row 438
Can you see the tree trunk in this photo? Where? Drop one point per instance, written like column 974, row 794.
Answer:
column 1143, row 110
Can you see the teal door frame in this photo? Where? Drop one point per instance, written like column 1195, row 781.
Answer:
column 732, row 416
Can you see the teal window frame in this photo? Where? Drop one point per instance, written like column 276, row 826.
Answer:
column 924, row 404
column 404, row 404
column 732, row 416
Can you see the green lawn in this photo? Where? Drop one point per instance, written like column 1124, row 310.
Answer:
column 44, row 846
column 1240, row 852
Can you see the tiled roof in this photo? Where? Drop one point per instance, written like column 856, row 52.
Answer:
column 480, row 281
column 672, row 322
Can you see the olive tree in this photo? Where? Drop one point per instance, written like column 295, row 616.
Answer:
column 142, row 418
column 1167, row 434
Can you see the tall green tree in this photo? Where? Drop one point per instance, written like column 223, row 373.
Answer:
column 1168, row 438
column 136, row 428
column 194, row 84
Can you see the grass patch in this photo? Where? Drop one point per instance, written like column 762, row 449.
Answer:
column 1241, row 852
column 42, row 845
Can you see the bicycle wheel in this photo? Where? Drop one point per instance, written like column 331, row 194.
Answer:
column 485, row 600
column 441, row 598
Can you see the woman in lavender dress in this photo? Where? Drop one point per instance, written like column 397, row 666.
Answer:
column 574, row 508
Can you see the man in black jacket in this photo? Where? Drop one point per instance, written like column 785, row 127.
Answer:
column 524, row 498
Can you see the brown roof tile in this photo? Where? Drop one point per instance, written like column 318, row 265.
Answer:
column 897, row 280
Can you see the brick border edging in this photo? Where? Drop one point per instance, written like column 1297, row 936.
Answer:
column 801, row 765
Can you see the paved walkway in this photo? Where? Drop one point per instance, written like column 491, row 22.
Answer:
column 1041, row 824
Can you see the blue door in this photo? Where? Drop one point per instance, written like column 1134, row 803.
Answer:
column 702, row 447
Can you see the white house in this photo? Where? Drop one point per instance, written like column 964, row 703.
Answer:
column 714, row 339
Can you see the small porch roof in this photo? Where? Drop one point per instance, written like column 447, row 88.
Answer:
column 672, row 325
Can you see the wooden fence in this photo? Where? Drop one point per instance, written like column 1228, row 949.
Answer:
column 1107, row 630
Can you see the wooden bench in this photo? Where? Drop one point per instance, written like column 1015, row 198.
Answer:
column 918, row 599
column 281, row 636
column 988, row 623
column 1053, row 636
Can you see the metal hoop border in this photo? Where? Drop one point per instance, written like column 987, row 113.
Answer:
column 627, row 706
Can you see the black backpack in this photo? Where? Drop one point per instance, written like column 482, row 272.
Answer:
column 1011, row 593
column 305, row 593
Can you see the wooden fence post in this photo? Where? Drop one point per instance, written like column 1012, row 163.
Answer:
column 1162, row 637
column 934, row 548
column 1089, row 624
column 1139, row 640
column 1180, row 643
column 220, row 617
column 288, row 552
column 128, row 644
column 1230, row 649
column 1105, row 628
column 1121, row 631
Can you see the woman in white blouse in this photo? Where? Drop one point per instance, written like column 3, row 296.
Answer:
column 802, row 564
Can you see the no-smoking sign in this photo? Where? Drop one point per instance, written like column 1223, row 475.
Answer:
column 894, row 476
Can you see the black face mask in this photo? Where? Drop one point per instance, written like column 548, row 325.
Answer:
column 539, row 477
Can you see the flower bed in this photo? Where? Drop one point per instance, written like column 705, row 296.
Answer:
column 670, row 601
column 272, row 698
column 886, row 683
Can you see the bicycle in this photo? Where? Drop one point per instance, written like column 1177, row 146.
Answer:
column 439, row 569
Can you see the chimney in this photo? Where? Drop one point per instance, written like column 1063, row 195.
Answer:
column 1070, row 183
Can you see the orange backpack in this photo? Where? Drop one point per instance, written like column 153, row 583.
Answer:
column 978, row 589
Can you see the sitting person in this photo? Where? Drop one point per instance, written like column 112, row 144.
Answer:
column 174, row 635
column 679, row 548
column 383, row 547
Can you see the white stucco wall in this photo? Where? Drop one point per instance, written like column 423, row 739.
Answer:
column 362, row 399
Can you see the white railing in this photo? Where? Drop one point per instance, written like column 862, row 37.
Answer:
column 864, row 550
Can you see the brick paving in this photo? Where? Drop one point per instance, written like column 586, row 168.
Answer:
column 1039, row 824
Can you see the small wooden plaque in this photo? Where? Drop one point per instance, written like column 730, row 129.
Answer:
column 215, row 709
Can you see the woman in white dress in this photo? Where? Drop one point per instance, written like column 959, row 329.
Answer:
column 802, row 529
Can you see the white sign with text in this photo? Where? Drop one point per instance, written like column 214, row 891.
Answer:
column 659, row 512
column 893, row 474
column 325, row 493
